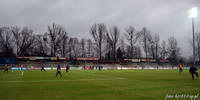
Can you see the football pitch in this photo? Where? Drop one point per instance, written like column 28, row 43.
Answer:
column 98, row 85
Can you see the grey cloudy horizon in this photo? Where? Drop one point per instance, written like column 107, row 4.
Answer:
column 164, row 17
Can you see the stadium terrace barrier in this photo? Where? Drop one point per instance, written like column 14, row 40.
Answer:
column 18, row 68
column 92, row 59
column 96, row 68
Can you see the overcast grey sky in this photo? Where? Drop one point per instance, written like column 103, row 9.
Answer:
column 165, row 17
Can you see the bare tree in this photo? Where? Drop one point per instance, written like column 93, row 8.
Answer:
column 16, row 32
column 56, row 35
column 24, row 40
column 63, row 43
column 70, row 44
column 163, row 52
column 6, row 42
column 173, row 50
column 16, row 41
column 154, row 46
column 112, row 39
column 122, row 46
column 137, row 52
column 83, row 53
column 41, row 45
column 132, row 36
column 39, row 48
column 98, row 32
column 151, row 46
column 157, row 47
column 90, row 48
column 145, row 35
column 74, row 48
column 108, row 50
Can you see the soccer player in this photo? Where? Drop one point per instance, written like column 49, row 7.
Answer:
column 42, row 69
column 193, row 70
column 22, row 71
column 100, row 67
column 58, row 71
column 6, row 68
column 67, row 68
column 180, row 67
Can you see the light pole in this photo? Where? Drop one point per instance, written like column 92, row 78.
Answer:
column 193, row 15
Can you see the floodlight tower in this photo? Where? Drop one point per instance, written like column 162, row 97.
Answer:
column 193, row 15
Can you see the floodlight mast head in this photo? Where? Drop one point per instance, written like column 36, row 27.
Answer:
column 193, row 12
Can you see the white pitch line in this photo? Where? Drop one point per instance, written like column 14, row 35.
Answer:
column 34, row 81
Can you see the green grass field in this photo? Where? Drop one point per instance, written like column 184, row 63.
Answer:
column 97, row 85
